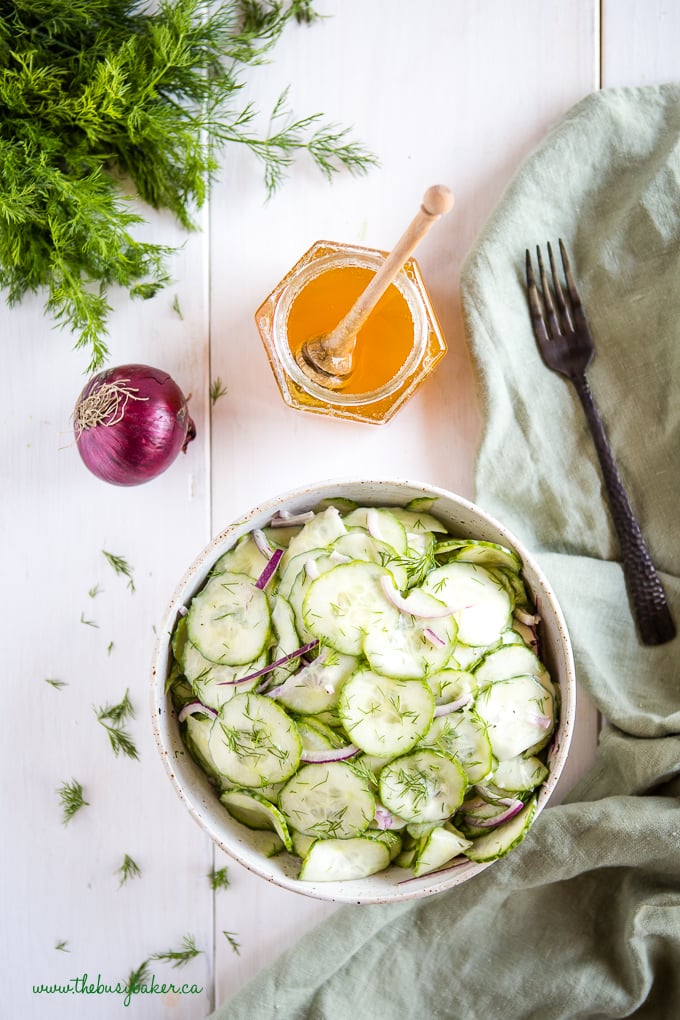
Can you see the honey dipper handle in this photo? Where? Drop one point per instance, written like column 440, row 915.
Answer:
column 437, row 201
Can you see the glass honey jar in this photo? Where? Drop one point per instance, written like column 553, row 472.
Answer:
column 396, row 349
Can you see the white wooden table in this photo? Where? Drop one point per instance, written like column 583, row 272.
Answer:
column 444, row 91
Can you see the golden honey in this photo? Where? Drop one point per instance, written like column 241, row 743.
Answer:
column 396, row 349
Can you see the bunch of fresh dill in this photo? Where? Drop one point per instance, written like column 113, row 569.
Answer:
column 101, row 100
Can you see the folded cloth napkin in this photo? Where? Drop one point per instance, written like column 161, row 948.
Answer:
column 583, row 919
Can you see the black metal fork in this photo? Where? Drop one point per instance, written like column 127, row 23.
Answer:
column 566, row 346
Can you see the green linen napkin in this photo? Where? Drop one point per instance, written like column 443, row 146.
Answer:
column 583, row 919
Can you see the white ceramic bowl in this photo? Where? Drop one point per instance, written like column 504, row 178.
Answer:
column 461, row 518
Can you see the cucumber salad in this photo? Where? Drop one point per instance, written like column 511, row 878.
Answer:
column 367, row 689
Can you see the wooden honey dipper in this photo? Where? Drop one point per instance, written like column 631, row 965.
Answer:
column 327, row 360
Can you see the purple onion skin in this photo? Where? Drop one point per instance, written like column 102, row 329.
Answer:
column 150, row 433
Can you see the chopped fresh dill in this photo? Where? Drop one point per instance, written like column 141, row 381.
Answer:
column 121, row 566
column 219, row 879
column 217, row 390
column 94, row 591
column 109, row 648
column 180, row 957
column 176, row 308
column 72, row 799
column 57, row 684
column 139, row 977
column 112, row 718
column 232, row 940
column 107, row 97
column 128, row 869
column 88, row 623
column 62, row 946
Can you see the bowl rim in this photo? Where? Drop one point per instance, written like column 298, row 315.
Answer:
column 164, row 721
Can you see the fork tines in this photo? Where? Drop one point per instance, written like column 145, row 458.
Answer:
column 567, row 314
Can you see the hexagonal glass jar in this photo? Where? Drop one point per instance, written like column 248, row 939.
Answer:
column 391, row 385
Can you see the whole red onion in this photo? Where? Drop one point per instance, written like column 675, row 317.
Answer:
column 130, row 424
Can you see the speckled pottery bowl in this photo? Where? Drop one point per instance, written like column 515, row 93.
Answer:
column 462, row 518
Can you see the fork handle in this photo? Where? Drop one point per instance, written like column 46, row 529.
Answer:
column 648, row 598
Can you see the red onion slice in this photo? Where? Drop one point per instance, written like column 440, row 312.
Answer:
column 286, row 519
column 194, row 708
column 514, row 807
column 269, row 571
column 272, row 665
column 452, row 706
column 417, row 603
column 260, row 540
column 543, row 722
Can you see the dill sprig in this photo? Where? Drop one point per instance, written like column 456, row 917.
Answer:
column 120, row 566
column 219, row 879
column 128, row 869
column 72, row 799
column 180, row 957
column 113, row 718
column 104, row 96
column 57, row 684
column 217, row 390
column 62, row 946
column 138, row 977
column 233, row 941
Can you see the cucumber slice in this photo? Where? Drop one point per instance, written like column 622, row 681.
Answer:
column 425, row 786
column 343, row 860
column 344, row 604
column 316, row 736
column 382, row 525
column 519, row 714
column 328, row 801
column 196, row 734
column 488, row 554
column 463, row 735
column 229, row 620
column 418, row 520
column 437, row 848
column 214, row 684
column 385, row 717
column 316, row 534
column 410, row 648
column 357, row 544
column 256, row 812
column 519, row 774
column 392, row 840
column 253, row 742
column 287, row 641
column 480, row 604
column 504, row 838
column 243, row 558
column 316, row 687
column 301, row 842
column 508, row 661
column 449, row 685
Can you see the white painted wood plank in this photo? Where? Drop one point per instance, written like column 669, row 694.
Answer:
column 640, row 42
column 488, row 80
column 60, row 882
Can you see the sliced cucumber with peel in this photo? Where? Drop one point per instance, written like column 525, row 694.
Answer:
column 505, row 837
column 229, row 620
column 344, row 860
column 253, row 742
column 328, row 800
column 383, row 716
column 380, row 703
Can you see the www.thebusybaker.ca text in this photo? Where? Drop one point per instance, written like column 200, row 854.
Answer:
column 83, row 985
